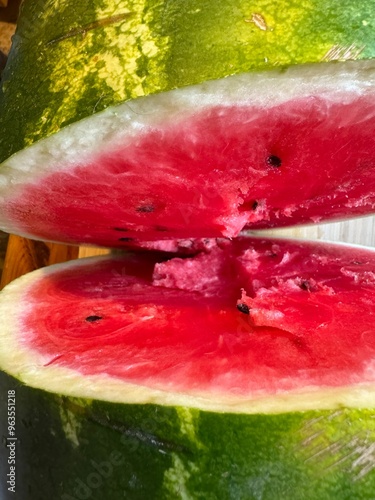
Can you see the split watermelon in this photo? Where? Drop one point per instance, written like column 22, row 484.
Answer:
column 154, row 120
column 211, row 368
column 159, row 380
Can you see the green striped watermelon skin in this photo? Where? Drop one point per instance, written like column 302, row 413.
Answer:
column 70, row 60
column 91, row 449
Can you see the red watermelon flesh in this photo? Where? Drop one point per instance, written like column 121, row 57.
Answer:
column 210, row 174
column 183, row 323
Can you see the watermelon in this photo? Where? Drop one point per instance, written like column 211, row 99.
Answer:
column 244, row 371
column 164, row 120
column 204, row 367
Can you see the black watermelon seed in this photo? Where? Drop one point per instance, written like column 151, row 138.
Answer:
column 274, row 161
column 93, row 318
column 271, row 254
column 305, row 285
column 122, row 229
column 146, row 209
column 248, row 205
column 126, row 239
column 244, row 308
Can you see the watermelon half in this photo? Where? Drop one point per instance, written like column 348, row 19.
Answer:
column 154, row 120
column 245, row 371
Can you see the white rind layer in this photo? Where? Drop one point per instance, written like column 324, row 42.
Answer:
column 120, row 125
column 29, row 366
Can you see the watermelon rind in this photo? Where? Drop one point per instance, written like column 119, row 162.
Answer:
column 112, row 439
column 337, row 82
column 111, row 450
column 86, row 58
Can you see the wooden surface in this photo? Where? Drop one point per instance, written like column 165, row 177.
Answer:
column 24, row 255
column 9, row 10
column 6, row 32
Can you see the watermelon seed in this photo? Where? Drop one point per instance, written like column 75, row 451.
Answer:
column 122, row 229
column 274, row 161
column 248, row 205
column 271, row 254
column 161, row 228
column 93, row 318
column 126, row 239
column 244, row 308
column 146, row 209
column 305, row 285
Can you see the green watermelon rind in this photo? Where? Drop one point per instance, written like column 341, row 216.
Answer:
column 100, row 450
column 194, row 446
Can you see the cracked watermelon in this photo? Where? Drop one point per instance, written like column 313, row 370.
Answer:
column 211, row 368
column 156, row 120
column 245, row 371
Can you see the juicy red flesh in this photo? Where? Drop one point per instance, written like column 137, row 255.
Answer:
column 175, row 323
column 211, row 174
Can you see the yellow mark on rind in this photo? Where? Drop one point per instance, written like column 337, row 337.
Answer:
column 90, row 26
